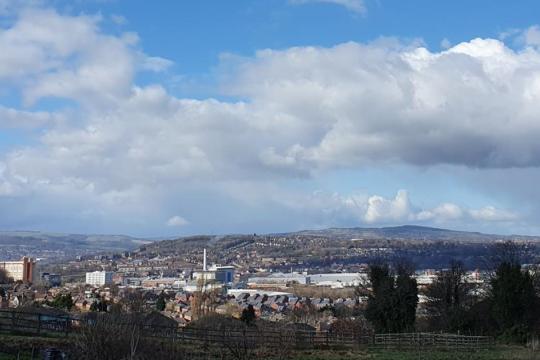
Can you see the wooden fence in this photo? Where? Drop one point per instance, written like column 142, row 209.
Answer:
column 36, row 324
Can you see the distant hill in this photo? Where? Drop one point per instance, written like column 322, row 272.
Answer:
column 412, row 232
column 327, row 249
column 405, row 232
column 14, row 244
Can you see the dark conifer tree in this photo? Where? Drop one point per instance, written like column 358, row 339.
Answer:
column 248, row 315
column 160, row 303
column 393, row 300
column 513, row 299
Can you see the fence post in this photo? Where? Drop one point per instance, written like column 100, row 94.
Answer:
column 327, row 340
column 39, row 324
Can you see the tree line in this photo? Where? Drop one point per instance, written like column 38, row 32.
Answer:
column 506, row 306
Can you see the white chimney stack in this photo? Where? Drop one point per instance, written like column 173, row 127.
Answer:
column 204, row 260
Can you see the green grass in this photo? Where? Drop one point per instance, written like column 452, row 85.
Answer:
column 22, row 356
column 11, row 344
column 498, row 353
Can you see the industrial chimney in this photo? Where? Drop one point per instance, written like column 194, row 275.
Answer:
column 204, row 260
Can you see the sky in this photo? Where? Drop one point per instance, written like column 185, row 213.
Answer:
column 171, row 118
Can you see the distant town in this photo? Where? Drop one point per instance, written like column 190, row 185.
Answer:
column 327, row 289
column 275, row 274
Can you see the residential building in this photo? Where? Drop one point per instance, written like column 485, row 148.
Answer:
column 51, row 279
column 99, row 278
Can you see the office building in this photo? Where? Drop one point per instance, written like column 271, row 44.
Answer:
column 99, row 278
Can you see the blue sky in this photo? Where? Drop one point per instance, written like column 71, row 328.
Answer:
column 256, row 116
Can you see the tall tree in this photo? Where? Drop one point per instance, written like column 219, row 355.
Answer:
column 379, row 307
column 407, row 297
column 63, row 301
column 248, row 315
column 160, row 303
column 449, row 298
column 393, row 299
column 4, row 277
column 513, row 298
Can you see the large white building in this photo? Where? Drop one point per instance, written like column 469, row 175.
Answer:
column 99, row 278
column 279, row 279
column 334, row 280
column 217, row 273
column 22, row 270
column 339, row 280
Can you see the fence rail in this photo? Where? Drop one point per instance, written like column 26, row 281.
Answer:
column 38, row 324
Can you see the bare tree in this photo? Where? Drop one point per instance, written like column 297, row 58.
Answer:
column 122, row 337
column 449, row 298
column 306, row 314
column 4, row 277
column 133, row 301
column 204, row 301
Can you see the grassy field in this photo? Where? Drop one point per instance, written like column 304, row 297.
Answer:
column 498, row 353
column 11, row 344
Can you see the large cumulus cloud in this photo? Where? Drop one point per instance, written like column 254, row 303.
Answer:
column 305, row 111
column 475, row 104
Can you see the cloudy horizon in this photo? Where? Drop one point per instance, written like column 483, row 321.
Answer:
column 114, row 122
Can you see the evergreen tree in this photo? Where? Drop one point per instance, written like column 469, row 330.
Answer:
column 63, row 301
column 160, row 303
column 379, row 307
column 407, row 298
column 513, row 299
column 248, row 315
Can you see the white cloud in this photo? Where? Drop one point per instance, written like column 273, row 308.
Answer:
column 377, row 209
column 441, row 213
column 51, row 55
column 522, row 37
column 445, row 43
column 155, row 63
column 356, row 6
column 531, row 36
column 358, row 104
column 490, row 213
column 13, row 118
column 177, row 221
column 307, row 111
column 380, row 209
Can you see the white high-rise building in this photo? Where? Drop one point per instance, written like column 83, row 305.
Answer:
column 99, row 278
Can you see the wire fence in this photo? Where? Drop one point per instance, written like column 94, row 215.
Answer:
column 252, row 337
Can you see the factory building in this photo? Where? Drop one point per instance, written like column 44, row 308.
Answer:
column 22, row 270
